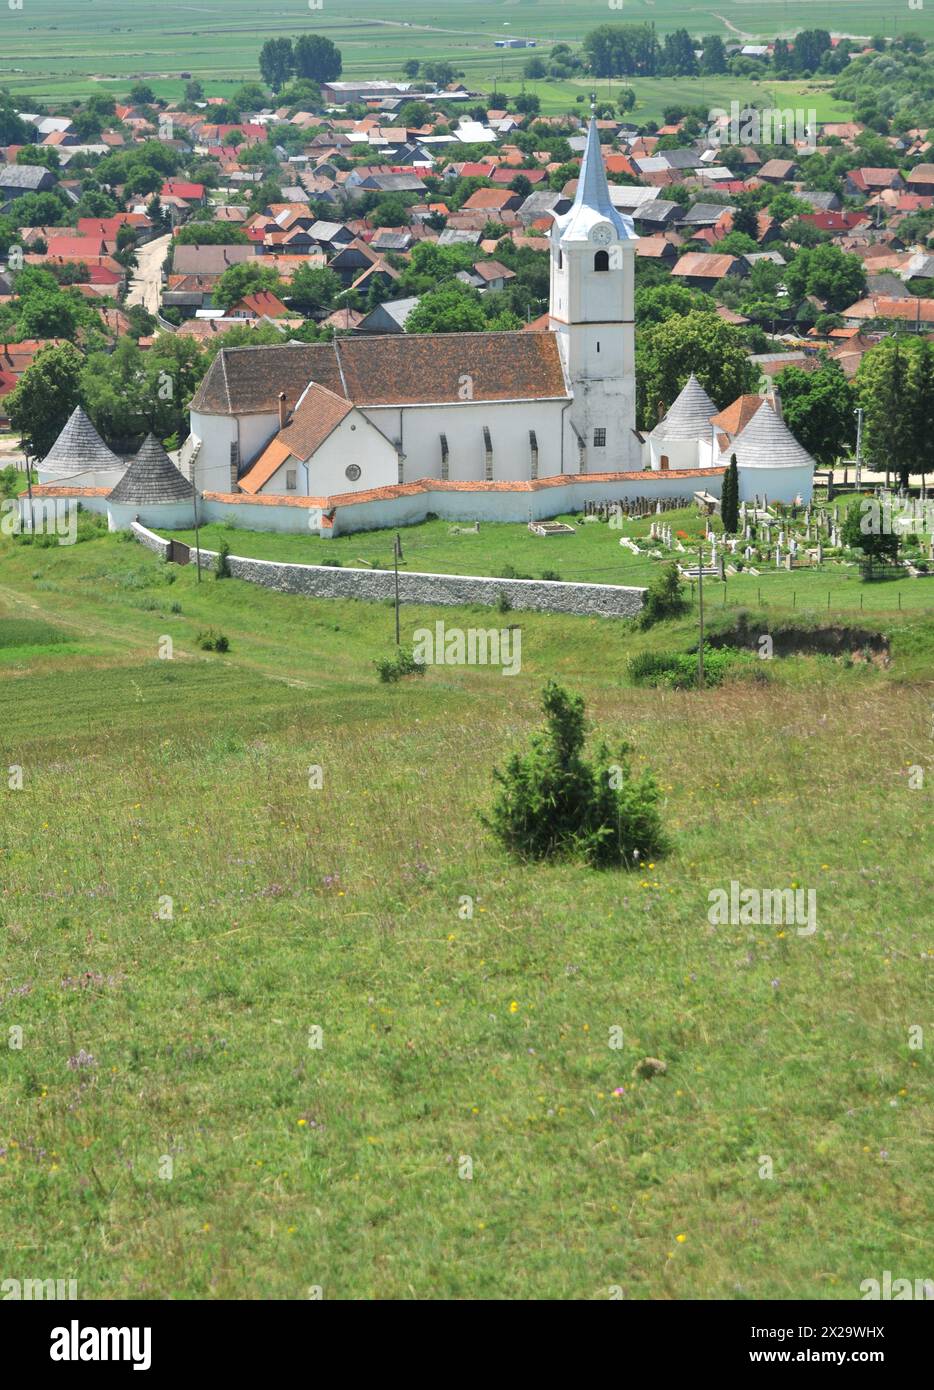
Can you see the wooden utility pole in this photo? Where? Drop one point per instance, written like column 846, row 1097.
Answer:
column 395, row 561
column 194, row 503
column 32, row 515
column 700, row 610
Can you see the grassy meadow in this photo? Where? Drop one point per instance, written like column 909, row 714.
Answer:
column 60, row 50
column 180, row 909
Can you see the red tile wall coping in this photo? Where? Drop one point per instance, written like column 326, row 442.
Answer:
column 379, row 494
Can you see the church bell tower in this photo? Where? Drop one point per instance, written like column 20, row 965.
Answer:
column 591, row 311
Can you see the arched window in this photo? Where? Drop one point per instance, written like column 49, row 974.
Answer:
column 601, row 260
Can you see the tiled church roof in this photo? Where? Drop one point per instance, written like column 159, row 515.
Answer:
column 397, row 369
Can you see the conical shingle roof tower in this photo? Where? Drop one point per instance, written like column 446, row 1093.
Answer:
column 79, row 450
column 689, row 416
column 151, row 478
column 767, row 442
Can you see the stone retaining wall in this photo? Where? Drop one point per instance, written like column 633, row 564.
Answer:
column 152, row 542
column 325, row 581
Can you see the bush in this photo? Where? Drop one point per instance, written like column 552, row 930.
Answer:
column 502, row 603
column 222, row 569
column 393, row 668
column 664, row 597
column 678, row 670
column 211, row 641
column 554, row 804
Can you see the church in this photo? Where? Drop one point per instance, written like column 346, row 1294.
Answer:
column 365, row 432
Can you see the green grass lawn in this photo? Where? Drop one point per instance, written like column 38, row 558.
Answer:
column 208, row 1151
column 592, row 555
column 65, row 49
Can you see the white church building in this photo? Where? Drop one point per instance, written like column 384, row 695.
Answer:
column 365, row 432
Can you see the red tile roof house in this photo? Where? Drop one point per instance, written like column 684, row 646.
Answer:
column 703, row 271
column 259, row 304
column 837, row 221
column 493, row 274
column 921, row 179
column 872, row 180
column 493, row 200
column 914, row 312
column 14, row 359
column 192, row 193
column 777, row 171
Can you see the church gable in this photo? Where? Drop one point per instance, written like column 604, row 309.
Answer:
column 326, row 446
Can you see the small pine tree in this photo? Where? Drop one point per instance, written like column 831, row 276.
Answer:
column 553, row 804
column 222, row 568
column 729, row 498
column 664, row 597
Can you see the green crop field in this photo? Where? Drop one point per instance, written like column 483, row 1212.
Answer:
column 54, row 50
column 182, row 906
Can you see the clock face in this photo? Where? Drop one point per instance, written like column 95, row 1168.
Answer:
column 602, row 234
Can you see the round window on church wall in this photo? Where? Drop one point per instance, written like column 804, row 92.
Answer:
column 352, row 472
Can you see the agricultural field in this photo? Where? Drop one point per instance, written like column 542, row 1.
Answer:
column 67, row 49
column 182, row 906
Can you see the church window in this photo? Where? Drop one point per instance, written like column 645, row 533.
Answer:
column 291, row 479
column 599, row 439
column 560, row 260
column 488, row 452
column 445, row 456
column 601, row 260
column 533, row 447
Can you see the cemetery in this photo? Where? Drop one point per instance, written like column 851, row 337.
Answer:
column 779, row 554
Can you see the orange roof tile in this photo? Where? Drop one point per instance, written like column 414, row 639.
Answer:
column 736, row 417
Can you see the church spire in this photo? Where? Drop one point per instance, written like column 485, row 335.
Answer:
column 592, row 202
column 593, row 191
